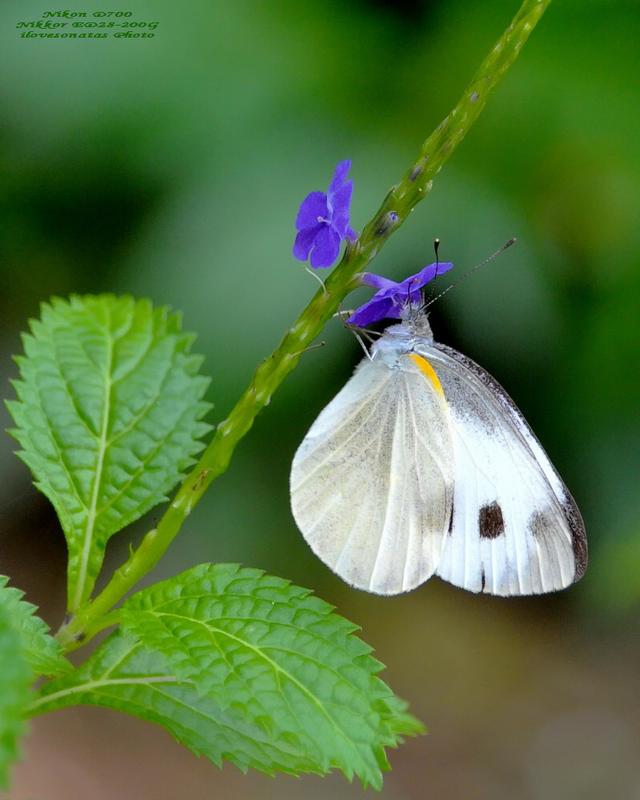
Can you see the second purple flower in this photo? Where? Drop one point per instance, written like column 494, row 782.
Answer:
column 392, row 299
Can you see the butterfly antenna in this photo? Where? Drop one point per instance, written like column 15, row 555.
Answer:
column 469, row 272
column 436, row 248
column 416, row 310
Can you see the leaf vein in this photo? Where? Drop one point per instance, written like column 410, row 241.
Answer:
column 278, row 670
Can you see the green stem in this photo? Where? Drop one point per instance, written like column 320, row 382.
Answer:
column 394, row 210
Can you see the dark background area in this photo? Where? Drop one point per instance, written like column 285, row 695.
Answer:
column 172, row 168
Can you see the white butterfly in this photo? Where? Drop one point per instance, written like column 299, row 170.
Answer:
column 423, row 465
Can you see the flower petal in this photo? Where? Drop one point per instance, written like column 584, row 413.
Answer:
column 425, row 275
column 313, row 206
column 305, row 241
column 339, row 176
column 376, row 309
column 378, row 281
column 326, row 248
column 340, row 225
column 392, row 298
column 340, row 200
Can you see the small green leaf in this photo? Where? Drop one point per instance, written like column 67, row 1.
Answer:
column 242, row 666
column 108, row 416
column 39, row 648
column 15, row 677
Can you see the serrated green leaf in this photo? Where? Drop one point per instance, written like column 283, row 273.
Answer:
column 39, row 648
column 108, row 416
column 15, row 677
column 124, row 675
column 245, row 667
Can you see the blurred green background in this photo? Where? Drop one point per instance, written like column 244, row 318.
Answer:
column 172, row 168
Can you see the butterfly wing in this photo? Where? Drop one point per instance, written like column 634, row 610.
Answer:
column 372, row 481
column 514, row 529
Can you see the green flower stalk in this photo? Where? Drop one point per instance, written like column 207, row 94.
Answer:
column 395, row 209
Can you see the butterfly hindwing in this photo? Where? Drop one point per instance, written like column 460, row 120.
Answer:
column 372, row 481
column 514, row 527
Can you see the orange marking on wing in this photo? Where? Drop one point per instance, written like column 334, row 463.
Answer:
column 428, row 371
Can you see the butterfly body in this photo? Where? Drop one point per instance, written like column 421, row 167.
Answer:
column 423, row 465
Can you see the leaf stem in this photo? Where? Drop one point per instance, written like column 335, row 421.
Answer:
column 395, row 208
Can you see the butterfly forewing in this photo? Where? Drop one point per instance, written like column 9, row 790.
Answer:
column 372, row 481
column 514, row 528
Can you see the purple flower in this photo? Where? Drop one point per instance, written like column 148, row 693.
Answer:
column 323, row 221
column 393, row 298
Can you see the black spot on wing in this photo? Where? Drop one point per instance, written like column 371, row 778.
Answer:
column 450, row 531
column 490, row 521
column 571, row 512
